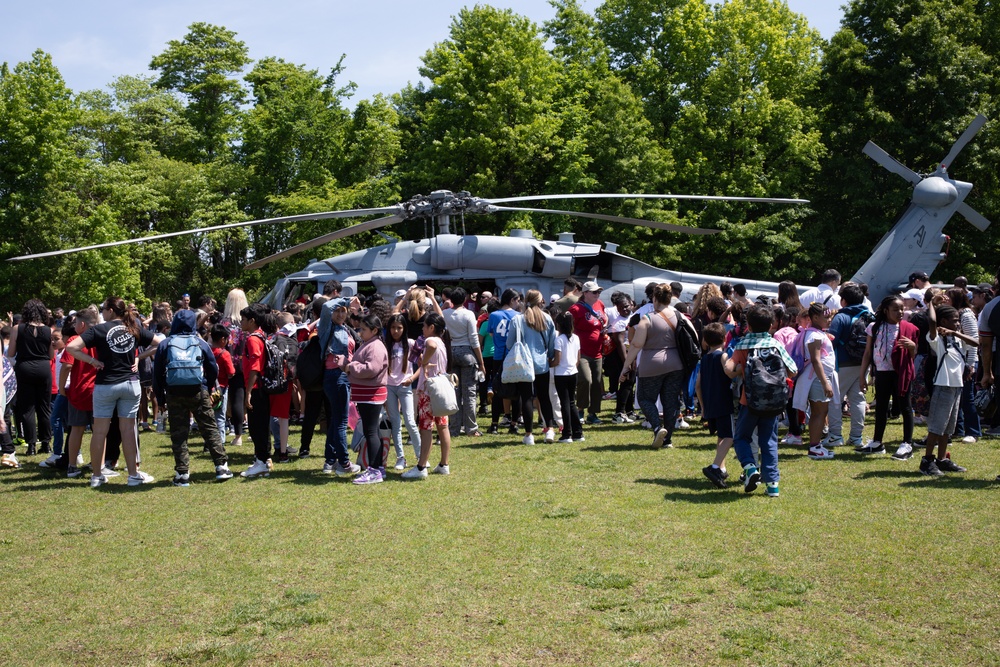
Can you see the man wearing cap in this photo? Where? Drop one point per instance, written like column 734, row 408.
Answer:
column 980, row 295
column 919, row 280
column 589, row 321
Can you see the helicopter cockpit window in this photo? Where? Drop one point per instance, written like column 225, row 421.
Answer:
column 537, row 261
column 584, row 265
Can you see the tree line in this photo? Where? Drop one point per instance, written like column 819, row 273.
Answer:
column 684, row 96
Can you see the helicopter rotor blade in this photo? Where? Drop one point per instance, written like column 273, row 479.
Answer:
column 970, row 132
column 765, row 200
column 973, row 216
column 232, row 225
column 890, row 163
column 326, row 238
column 615, row 218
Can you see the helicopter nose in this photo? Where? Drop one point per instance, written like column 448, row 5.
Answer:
column 934, row 192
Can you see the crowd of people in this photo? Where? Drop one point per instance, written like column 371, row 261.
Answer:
column 533, row 366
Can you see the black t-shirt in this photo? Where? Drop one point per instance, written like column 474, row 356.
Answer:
column 116, row 348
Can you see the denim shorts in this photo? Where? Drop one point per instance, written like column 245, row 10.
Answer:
column 121, row 395
column 943, row 410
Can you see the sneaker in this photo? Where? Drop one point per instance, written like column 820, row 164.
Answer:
column 580, row 439
column 258, row 468
column 110, row 472
column 528, row 439
column 441, row 469
column 659, row 437
column 832, row 441
column 512, row 430
column 504, row 421
column 282, row 457
column 993, row 432
column 304, row 453
column 593, row 419
column 919, row 420
column 73, row 472
column 493, row 430
column 714, row 475
column 349, row 469
column 856, row 442
column 10, row 461
column 820, row 453
column 903, row 452
column 97, row 480
column 751, row 478
column 631, row 416
column 137, row 479
column 874, row 447
column 565, row 441
column 182, row 480
column 681, row 423
column 771, row 489
column 947, row 465
column 79, row 460
column 400, row 463
column 792, row 440
column 328, row 468
column 609, row 396
column 50, row 462
column 222, row 472
column 928, row 466
column 619, row 418
column 646, row 425
column 414, row 473
column 969, row 439
column 550, row 435
column 371, row 475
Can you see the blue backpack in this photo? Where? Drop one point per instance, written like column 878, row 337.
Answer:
column 184, row 361
column 9, row 381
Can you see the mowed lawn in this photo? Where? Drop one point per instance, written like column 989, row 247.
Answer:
column 604, row 552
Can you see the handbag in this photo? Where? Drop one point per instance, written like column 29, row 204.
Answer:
column 518, row 365
column 985, row 402
column 441, row 390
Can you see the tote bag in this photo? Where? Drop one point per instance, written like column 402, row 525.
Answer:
column 441, row 390
column 518, row 365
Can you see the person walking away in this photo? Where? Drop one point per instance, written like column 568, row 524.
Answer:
column 848, row 328
column 467, row 359
column 714, row 390
column 536, row 329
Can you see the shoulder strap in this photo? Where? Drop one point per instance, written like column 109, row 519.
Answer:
column 672, row 326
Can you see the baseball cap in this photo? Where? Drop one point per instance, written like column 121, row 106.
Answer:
column 919, row 275
column 983, row 288
column 400, row 293
column 553, row 298
column 915, row 294
column 591, row 286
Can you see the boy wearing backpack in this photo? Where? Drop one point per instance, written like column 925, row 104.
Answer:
column 765, row 367
column 849, row 330
column 184, row 372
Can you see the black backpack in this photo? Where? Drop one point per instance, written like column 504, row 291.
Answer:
column 275, row 376
column 764, row 382
column 853, row 345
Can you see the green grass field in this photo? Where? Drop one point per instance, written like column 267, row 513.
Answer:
column 597, row 553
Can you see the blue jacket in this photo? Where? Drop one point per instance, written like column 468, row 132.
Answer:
column 840, row 328
column 336, row 343
column 185, row 322
column 541, row 343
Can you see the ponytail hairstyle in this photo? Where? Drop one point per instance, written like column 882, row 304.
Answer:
column 880, row 312
column 533, row 313
column 437, row 323
column 375, row 324
column 416, row 307
column 121, row 310
column 398, row 318
column 816, row 309
column 564, row 324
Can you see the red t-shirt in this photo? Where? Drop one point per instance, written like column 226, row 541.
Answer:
column 81, row 380
column 588, row 327
column 254, row 355
column 55, row 380
column 225, row 363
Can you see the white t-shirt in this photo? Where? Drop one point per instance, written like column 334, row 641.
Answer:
column 882, row 345
column 826, row 356
column 616, row 322
column 569, row 354
column 823, row 294
column 951, row 360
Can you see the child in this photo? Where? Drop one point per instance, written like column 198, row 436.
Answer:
column 220, row 344
column 891, row 347
column 567, row 354
column 367, row 372
column 399, row 384
column 433, row 362
column 759, row 343
column 788, row 335
column 716, row 399
column 949, row 346
column 817, row 384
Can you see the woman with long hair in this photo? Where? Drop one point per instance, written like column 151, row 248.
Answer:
column 534, row 326
column 788, row 295
column 700, row 303
column 31, row 350
column 433, row 362
column 399, row 385
column 236, row 301
column 116, row 387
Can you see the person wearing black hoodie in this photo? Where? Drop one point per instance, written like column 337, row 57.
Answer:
column 179, row 382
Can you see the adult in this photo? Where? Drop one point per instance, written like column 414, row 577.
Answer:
column 466, row 360
column 589, row 320
column 536, row 329
column 572, row 291
column 31, row 351
column 116, row 386
column 918, row 280
column 989, row 324
column 337, row 345
column 846, row 339
column 825, row 293
column 660, row 370
column 236, row 301
column 788, row 294
column 968, row 427
column 499, row 327
column 980, row 295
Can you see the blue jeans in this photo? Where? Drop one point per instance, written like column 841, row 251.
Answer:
column 60, row 413
column 220, row 414
column 338, row 397
column 767, row 440
column 667, row 388
column 399, row 406
column 968, row 418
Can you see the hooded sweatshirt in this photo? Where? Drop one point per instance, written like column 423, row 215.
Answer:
column 185, row 322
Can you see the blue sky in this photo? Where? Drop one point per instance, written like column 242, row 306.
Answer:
column 93, row 42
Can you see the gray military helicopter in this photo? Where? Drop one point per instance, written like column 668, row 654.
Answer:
column 522, row 262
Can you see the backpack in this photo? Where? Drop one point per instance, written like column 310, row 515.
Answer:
column 274, row 379
column 686, row 340
column 764, row 381
column 798, row 350
column 184, row 361
column 933, row 365
column 9, row 381
column 290, row 348
column 853, row 345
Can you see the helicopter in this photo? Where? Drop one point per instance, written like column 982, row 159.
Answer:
column 522, row 262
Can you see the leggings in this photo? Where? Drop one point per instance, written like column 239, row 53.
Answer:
column 370, row 414
column 33, row 403
column 314, row 403
column 886, row 387
column 547, row 417
column 237, row 401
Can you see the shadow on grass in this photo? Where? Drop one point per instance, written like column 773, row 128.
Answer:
column 951, row 482
column 618, row 448
column 694, row 490
column 885, row 474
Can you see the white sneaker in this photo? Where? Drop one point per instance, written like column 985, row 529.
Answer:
column 441, row 470
column 222, row 472
column 681, row 423
column 110, row 472
column 550, row 435
column 528, row 439
column 832, row 441
column 258, row 468
column 136, row 480
column 351, row 469
column 52, row 460
column 659, row 438
column 400, row 463
column 414, row 473
column 790, row 439
column 97, row 480
column 969, row 439
column 10, row 461
column 79, row 460
column 820, row 453
column 328, row 468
